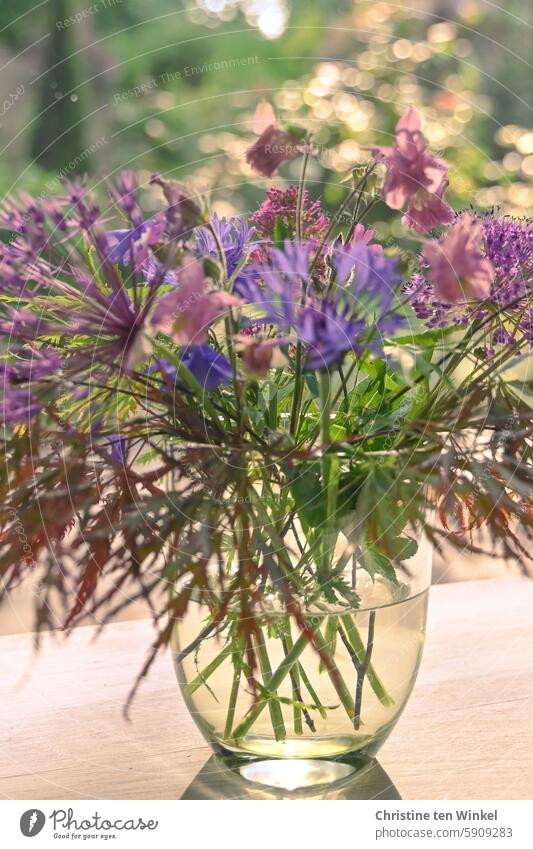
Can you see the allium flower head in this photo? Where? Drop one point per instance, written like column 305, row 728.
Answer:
column 414, row 176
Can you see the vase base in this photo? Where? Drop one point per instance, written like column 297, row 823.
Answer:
column 295, row 774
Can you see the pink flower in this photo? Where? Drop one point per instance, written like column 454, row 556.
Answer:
column 264, row 117
column 415, row 176
column 458, row 270
column 362, row 236
column 259, row 355
column 274, row 144
column 187, row 312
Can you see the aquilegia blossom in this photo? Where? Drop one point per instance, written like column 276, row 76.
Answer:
column 456, row 267
column 414, row 176
column 273, row 146
column 506, row 245
column 187, row 312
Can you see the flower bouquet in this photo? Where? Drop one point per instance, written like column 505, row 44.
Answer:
column 262, row 428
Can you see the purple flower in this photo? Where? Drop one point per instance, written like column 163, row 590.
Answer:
column 233, row 236
column 119, row 448
column 21, row 381
column 374, row 280
column 328, row 329
column 507, row 244
column 134, row 243
column 277, row 287
column 210, row 368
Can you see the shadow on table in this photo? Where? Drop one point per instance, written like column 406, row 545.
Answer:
column 216, row 780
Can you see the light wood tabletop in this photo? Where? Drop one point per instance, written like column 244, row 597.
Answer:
column 467, row 732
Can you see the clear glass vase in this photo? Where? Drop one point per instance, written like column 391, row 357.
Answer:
column 322, row 707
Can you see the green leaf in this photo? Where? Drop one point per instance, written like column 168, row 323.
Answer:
column 309, row 496
column 280, row 232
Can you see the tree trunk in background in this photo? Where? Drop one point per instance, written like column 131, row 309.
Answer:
column 59, row 129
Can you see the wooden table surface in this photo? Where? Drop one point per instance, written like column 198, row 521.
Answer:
column 467, row 732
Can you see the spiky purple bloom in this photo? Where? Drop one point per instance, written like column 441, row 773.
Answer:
column 277, row 288
column 233, row 236
column 370, row 280
column 44, row 255
column 21, row 380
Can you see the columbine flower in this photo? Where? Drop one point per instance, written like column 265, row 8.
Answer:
column 258, row 356
column 457, row 269
column 362, row 236
column 328, row 329
column 273, row 146
column 233, row 236
column 415, row 177
column 188, row 311
column 507, row 245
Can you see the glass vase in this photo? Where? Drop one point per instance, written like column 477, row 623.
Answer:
column 322, row 703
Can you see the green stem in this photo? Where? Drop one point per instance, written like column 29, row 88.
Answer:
column 211, row 667
column 297, row 395
column 358, row 646
column 266, row 671
column 235, row 684
column 301, row 188
column 312, row 692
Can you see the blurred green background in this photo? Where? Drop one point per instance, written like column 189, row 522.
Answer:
column 171, row 85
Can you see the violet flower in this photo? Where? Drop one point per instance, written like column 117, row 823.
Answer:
column 234, row 237
column 328, row 329
column 22, row 383
column 210, row 368
column 277, row 288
